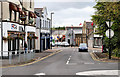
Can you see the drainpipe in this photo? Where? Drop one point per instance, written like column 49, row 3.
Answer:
column 1, row 30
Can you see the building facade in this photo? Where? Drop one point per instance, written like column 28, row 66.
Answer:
column 43, row 29
column 97, row 38
column 74, row 35
column 18, row 25
column 88, row 33
column 58, row 35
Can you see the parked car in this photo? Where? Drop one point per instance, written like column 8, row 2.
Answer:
column 83, row 47
column 65, row 44
column 57, row 43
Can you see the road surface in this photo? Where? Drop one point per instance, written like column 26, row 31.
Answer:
column 67, row 62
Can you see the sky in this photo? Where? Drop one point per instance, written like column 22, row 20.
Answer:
column 67, row 13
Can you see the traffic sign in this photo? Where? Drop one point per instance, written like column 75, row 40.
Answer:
column 111, row 34
column 107, row 22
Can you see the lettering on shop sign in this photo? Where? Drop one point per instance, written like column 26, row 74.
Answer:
column 13, row 26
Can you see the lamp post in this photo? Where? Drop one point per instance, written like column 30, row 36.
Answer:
column 51, row 27
column 40, row 34
column 72, row 34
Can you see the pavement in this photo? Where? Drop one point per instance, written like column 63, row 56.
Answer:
column 68, row 62
column 37, row 56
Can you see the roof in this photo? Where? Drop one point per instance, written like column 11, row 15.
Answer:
column 39, row 9
column 74, row 26
column 61, row 32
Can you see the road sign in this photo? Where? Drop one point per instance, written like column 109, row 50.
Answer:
column 107, row 22
column 51, row 37
column 111, row 34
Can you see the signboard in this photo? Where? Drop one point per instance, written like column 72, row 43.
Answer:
column 13, row 26
column 111, row 33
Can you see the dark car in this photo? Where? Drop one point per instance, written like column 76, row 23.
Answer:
column 83, row 47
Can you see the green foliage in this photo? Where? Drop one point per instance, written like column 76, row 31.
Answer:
column 105, row 11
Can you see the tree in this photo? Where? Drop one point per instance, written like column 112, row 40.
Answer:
column 105, row 11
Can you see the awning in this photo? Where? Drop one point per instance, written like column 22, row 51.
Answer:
column 13, row 7
column 35, row 16
column 31, row 14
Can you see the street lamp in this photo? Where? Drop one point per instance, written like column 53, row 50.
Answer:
column 51, row 27
column 40, row 33
column 72, row 35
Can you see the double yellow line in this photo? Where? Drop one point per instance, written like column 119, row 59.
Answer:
column 34, row 61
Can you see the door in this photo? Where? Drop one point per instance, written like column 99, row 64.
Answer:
column 69, row 41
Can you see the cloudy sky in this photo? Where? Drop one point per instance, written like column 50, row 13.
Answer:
column 69, row 13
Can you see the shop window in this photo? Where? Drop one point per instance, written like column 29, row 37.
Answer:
column 43, row 23
column 10, row 12
column 15, row 16
column 9, row 45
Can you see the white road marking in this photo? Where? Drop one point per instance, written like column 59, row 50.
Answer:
column 68, row 60
column 99, row 72
column 40, row 74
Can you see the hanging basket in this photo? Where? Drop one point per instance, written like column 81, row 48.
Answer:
column 35, row 37
column 10, row 38
column 4, row 38
column 29, row 37
column 20, row 37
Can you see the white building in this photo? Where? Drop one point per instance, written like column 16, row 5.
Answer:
column 13, row 26
column 43, row 29
column 74, row 35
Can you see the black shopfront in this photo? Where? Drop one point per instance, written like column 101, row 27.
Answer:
column 45, row 41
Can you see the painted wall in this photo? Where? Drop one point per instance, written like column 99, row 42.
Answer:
column 70, row 37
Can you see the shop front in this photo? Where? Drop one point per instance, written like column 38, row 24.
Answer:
column 12, row 37
column 42, row 44
column 47, row 41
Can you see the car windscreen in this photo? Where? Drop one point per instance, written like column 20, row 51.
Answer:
column 83, row 45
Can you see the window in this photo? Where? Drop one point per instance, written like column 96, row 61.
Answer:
column 15, row 16
column 10, row 12
column 43, row 23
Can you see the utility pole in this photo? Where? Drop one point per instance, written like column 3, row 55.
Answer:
column 109, row 40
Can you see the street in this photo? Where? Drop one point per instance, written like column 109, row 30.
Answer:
column 67, row 62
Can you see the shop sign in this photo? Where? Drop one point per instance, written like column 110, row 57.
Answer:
column 13, row 26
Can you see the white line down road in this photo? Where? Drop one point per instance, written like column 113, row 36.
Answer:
column 40, row 74
column 99, row 72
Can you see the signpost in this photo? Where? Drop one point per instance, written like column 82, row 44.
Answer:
column 109, row 33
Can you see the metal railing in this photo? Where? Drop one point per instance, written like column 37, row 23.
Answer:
column 17, row 57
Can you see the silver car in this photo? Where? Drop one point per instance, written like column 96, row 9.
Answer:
column 83, row 47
